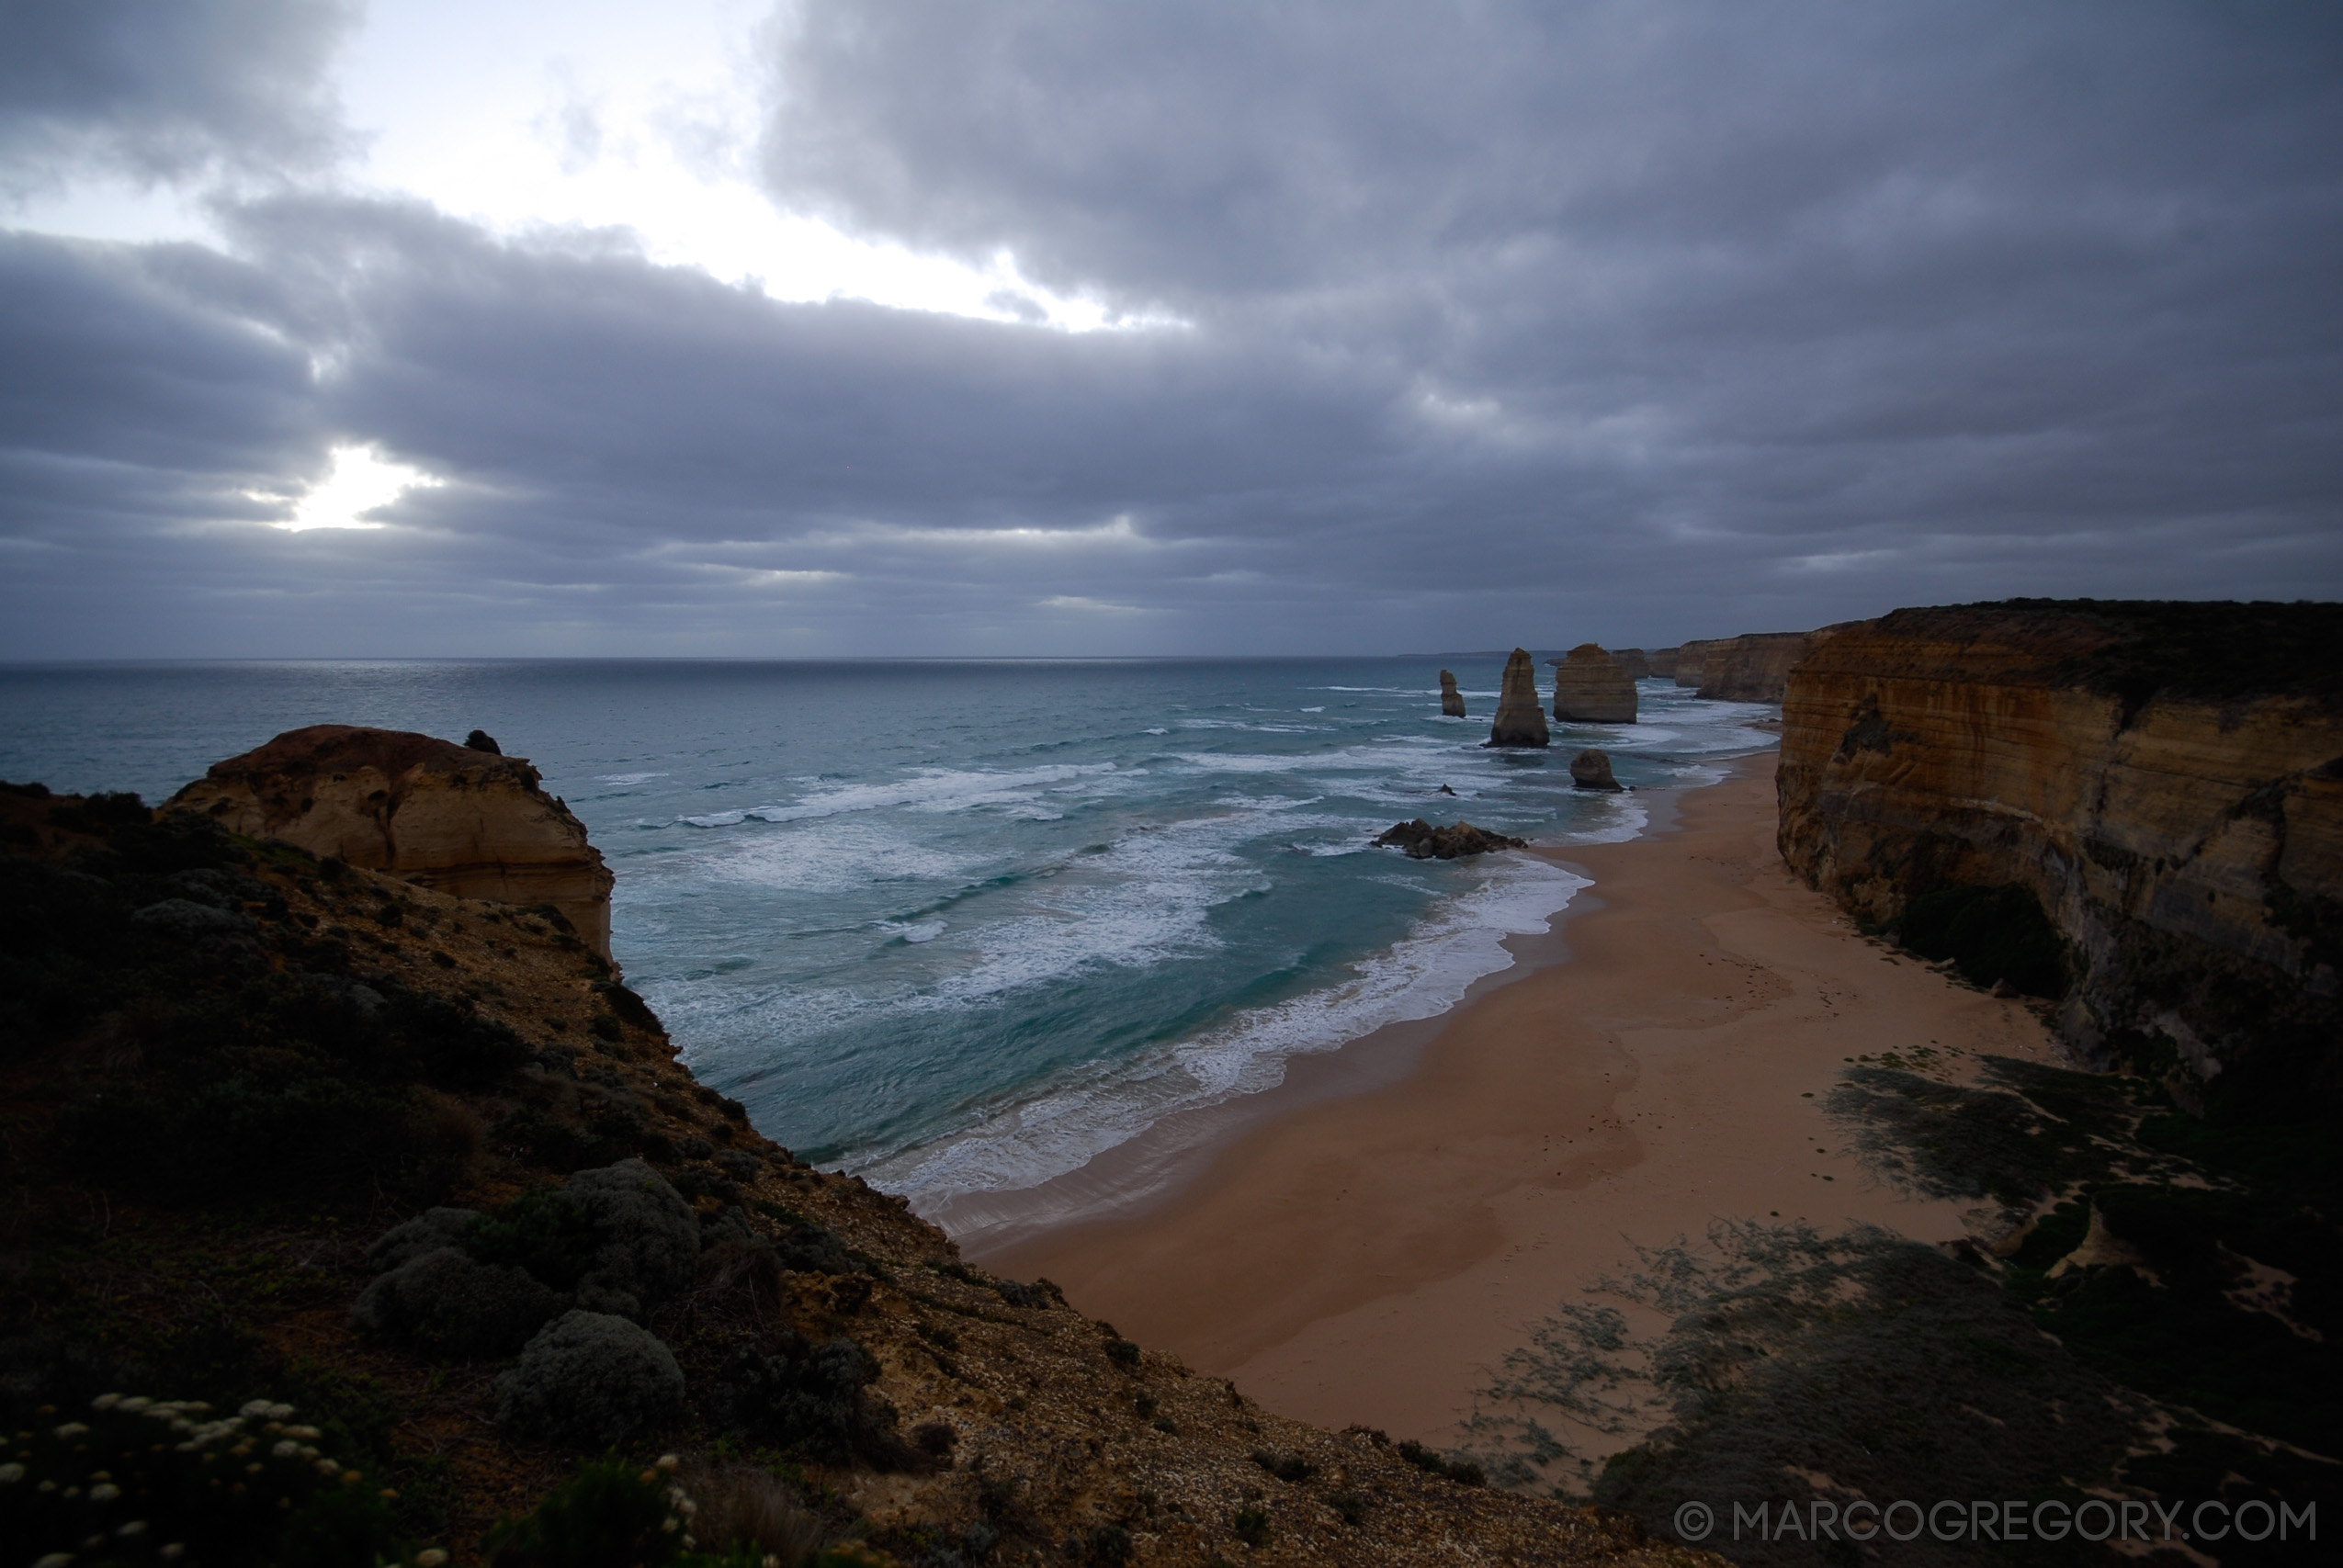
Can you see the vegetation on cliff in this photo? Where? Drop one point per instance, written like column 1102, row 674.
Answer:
column 349, row 1221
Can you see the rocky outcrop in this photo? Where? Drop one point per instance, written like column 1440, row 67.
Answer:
column 1632, row 662
column 1756, row 668
column 1591, row 770
column 1691, row 662
column 1590, row 688
column 457, row 819
column 1424, row 842
column 1520, row 721
column 1663, row 663
column 1452, row 701
column 2166, row 779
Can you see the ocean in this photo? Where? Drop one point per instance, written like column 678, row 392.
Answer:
column 960, row 925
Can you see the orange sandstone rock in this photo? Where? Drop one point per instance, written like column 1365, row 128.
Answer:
column 1590, row 688
column 2168, row 779
column 1520, row 721
column 455, row 820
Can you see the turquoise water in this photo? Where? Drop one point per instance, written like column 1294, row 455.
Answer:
column 964, row 924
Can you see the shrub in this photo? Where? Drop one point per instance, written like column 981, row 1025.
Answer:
column 147, row 1475
column 546, row 1231
column 1349, row 1506
column 1462, row 1472
column 1285, row 1467
column 448, row 1303
column 811, row 1399
column 1252, row 1526
column 588, row 1379
column 647, row 1237
column 1123, row 1350
column 745, row 1509
column 1110, row 1543
column 609, row 1515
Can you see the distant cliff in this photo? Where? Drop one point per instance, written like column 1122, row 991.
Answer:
column 457, row 820
column 2166, row 778
column 1755, row 668
column 1589, row 687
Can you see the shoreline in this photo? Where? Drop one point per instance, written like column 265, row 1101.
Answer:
column 1365, row 1245
column 1151, row 1168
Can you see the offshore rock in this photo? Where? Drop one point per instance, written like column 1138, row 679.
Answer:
column 455, row 820
column 1632, row 662
column 2166, row 779
column 1520, row 721
column 1452, row 701
column 1663, row 663
column 1591, row 770
column 1590, row 688
column 1424, row 842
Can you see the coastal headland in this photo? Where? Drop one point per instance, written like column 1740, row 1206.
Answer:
column 1658, row 1062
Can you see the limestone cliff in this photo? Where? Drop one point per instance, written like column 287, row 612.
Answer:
column 1520, row 721
column 2166, row 778
column 1590, row 688
column 1633, row 660
column 1691, row 662
column 1452, row 701
column 457, row 820
column 1663, row 663
column 1754, row 668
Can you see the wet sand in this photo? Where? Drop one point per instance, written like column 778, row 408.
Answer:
column 1364, row 1247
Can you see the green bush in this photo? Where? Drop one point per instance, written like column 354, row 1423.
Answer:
column 610, row 1514
column 160, row 1480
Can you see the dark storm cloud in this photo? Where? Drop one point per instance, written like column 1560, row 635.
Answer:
column 164, row 89
column 1501, row 322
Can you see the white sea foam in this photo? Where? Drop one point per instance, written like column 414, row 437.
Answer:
column 1061, row 1128
column 624, row 781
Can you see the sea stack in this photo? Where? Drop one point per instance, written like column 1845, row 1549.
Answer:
column 1520, row 721
column 1663, row 663
column 1632, row 662
column 1591, row 770
column 454, row 818
column 1590, row 688
column 1452, row 701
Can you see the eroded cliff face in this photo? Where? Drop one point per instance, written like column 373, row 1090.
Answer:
column 1663, row 663
column 1754, row 668
column 1590, row 688
column 465, row 823
column 2166, row 778
column 1691, row 662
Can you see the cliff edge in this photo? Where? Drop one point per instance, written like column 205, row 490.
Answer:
column 2166, row 779
column 462, row 821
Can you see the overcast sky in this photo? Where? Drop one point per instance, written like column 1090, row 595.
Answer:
column 874, row 326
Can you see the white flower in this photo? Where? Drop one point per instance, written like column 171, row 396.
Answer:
column 136, row 1527
column 309, row 1433
column 328, row 1467
column 285, row 1449
column 670, row 1524
column 105, row 1402
column 278, row 1412
column 172, row 1553
column 11, row 1473
column 669, row 1462
column 104, row 1492
column 55, row 1559
column 253, row 1407
column 70, row 1430
column 135, row 1404
column 308, row 1452
column 430, row 1557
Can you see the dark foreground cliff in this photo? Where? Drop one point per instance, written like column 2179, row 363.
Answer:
column 2164, row 780
column 348, row 1218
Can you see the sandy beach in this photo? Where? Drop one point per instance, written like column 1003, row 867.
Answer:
column 1368, row 1251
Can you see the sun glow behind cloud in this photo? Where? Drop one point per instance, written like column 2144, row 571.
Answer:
column 360, row 482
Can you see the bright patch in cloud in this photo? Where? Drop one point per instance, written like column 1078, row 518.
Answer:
column 360, row 482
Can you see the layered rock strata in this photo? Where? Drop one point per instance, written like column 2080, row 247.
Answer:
column 1452, row 701
column 1663, row 663
column 1520, row 721
column 1634, row 661
column 457, row 820
column 1590, row 688
column 1590, row 769
column 1691, row 662
column 1423, row 841
column 2165, row 778
column 1755, row 668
